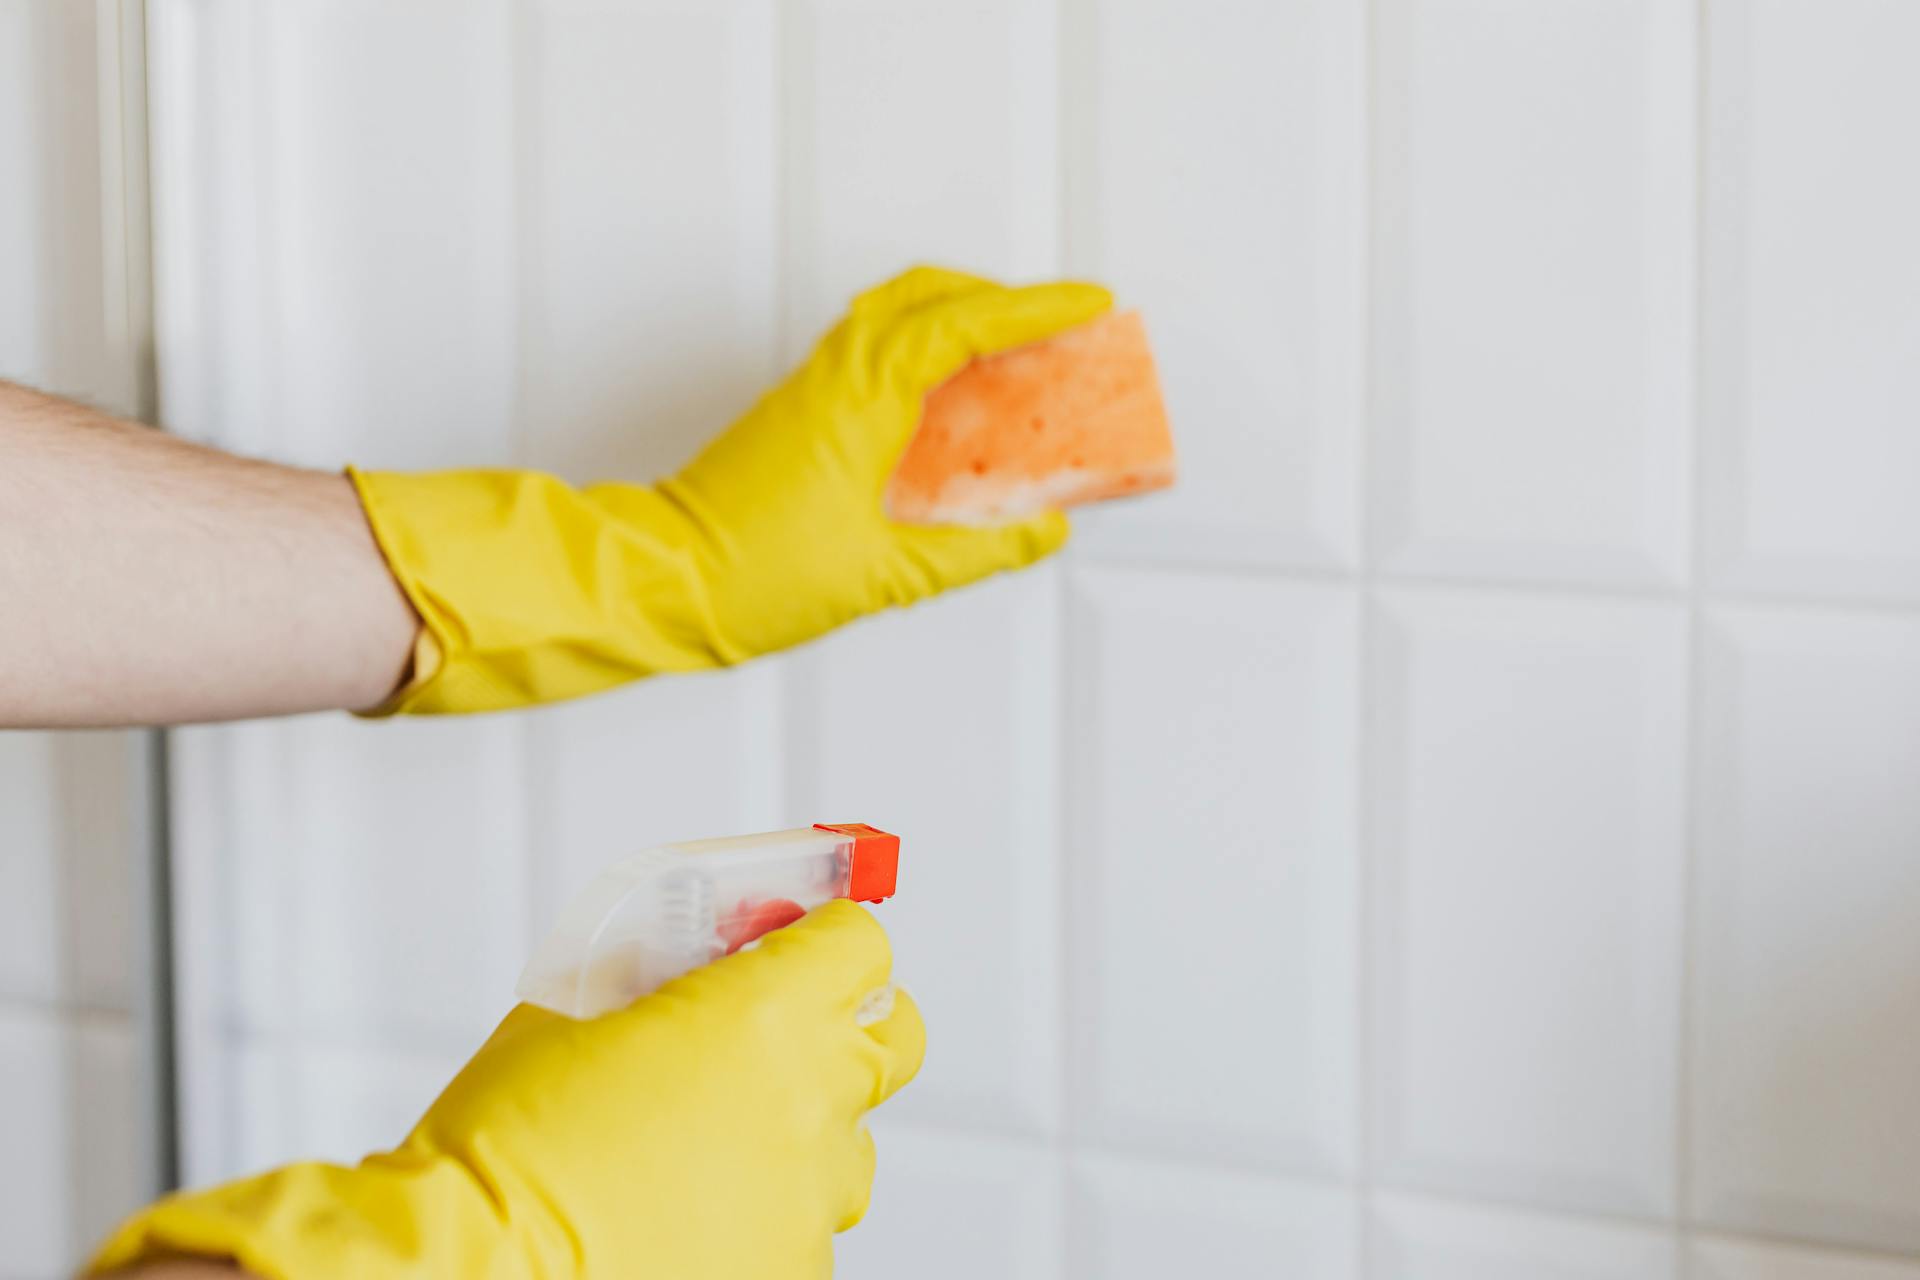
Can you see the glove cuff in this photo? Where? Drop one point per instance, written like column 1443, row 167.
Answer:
column 532, row 591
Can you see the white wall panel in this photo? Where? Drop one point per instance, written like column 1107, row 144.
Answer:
column 67, row 919
column 29, row 868
column 366, row 876
column 1806, row 1119
column 917, row 131
column 55, row 302
column 1233, row 216
column 294, row 1099
column 939, row 724
column 950, row 1207
column 1813, row 298
column 1212, row 881
column 22, row 247
column 1532, row 291
column 1714, row 1259
column 388, row 191
column 1526, row 809
column 1133, row 1219
column 69, row 1110
column 646, row 230
column 1418, row 1239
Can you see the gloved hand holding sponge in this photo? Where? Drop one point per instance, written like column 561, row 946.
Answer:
column 713, row 1128
column 532, row 591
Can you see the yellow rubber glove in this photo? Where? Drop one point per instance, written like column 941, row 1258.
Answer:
column 712, row 1129
column 533, row 591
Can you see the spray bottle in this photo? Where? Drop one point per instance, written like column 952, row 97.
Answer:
column 665, row 911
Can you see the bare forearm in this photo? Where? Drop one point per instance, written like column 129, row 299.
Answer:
column 146, row 580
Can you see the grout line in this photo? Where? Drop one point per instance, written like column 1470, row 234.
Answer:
column 1553, row 1213
column 1111, row 562
column 1366, row 692
column 1063, row 1138
column 1307, row 1180
column 1071, row 20
column 1694, row 746
column 1825, row 1249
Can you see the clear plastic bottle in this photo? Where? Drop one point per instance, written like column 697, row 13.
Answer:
column 662, row 912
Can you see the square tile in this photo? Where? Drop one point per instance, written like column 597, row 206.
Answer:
column 1812, row 299
column 1417, row 1239
column 1216, row 182
column 1151, row 1221
column 952, row 1207
column 1211, row 741
column 1805, row 1120
column 1533, row 311
column 1527, row 774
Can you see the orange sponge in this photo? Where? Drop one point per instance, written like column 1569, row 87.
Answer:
column 1071, row 420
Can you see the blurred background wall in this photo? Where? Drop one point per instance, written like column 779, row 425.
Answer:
column 1470, row 829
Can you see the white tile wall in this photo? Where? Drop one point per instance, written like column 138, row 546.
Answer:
column 949, row 1206
column 29, row 867
column 69, row 1110
column 896, row 154
column 74, row 1132
column 293, row 1099
column 1235, row 218
column 1389, row 822
column 1411, row 1238
column 636, row 336
column 1152, row 1220
column 1805, row 1117
column 1724, row 1259
column 1533, row 236
column 1526, row 808
column 1813, row 298
column 67, row 844
column 1211, row 893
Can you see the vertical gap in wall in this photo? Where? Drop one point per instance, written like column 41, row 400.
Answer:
column 160, row 1017
column 1071, row 25
column 121, row 64
column 1695, row 664
column 1364, row 745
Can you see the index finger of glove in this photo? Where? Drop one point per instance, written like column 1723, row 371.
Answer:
column 948, row 556
column 915, row 287
column 832, row 958
column 930, row 343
